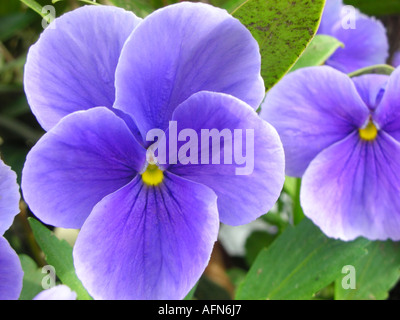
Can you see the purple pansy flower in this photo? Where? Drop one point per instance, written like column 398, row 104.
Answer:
column 10, row 267
column 364, row 38
column 343, row 136
column 147, row 231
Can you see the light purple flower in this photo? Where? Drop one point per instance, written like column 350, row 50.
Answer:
column 364, row 38
column 10, row 267
column 190, row 63
column 342, row 136
column 58, row 292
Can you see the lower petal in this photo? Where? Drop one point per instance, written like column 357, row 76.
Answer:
column 351, row 189
column 148, row 242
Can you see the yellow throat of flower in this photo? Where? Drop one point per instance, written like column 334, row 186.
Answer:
column 153, row 176
column 368, row 133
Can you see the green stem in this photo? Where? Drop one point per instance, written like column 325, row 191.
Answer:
column 34, row 6
column 275, row 219
column 20, row 129
column 93, row 2
column 298, row 214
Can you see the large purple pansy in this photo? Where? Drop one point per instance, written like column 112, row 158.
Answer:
column 147, row 231
column 342, row 136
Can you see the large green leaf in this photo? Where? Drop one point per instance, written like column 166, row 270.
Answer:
column 375, row 273
column 32, row 282
column 257, row 241
column 58, row 253
column 298, row 264
column 318, row 51
column 283, row 29
column 375, row 7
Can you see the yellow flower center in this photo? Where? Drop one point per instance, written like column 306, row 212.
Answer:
column 153, row 176
column 368, row 133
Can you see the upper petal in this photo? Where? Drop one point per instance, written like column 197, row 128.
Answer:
column 148, row 242
column 311, row 109
column 72, row 65
column 364, row 45
column 351, row 189
column 330, row 16
column 9, row 197
column 248, row 187
column 180, row 50
column 86, row 156
column 11, row 273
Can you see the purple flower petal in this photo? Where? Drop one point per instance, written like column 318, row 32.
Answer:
column 87, row 156
column 242, row 196
column 180, row 50
column 387, row 114
column 9, row 197
column 59, row 292
column 155, row 241
column 72, row 66
column 396, row 59
column 351, row 189
column 11, row 273
column 311, row 109
column 330, row 16
column 371, row 88
column 365, row 45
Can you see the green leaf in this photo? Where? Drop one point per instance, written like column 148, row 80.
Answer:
column 58, row 253
column 290, row 186
column 236, row 275
column 32, row 281
column 257, row 241
column 318, row 51
column 90, row 2
column 377, row 69
column 375, row 7
column 298, row 264
column 229, row 5
column 376, row 273
column 283, row 29
column 190, row 295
